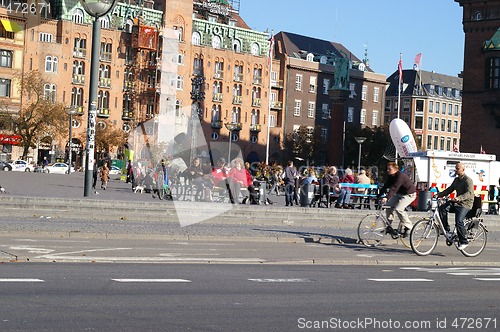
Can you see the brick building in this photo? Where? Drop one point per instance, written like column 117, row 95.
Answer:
column 431, row 105
column 481, row 76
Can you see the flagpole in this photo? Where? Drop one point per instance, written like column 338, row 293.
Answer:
column 271, row 45
column 400, row 70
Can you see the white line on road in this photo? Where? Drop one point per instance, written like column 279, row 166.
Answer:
column 151, row 280
column 282, row 280
column 20, row 280
column 487, row 279
column 408, row 280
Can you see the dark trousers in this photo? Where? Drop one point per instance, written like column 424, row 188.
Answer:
column 460, row 213
column 289, row 193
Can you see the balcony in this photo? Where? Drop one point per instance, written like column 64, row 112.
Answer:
column 105, row 56
column 255, row 128
column 256, row 102
column 216, row 124
column 104, row 82
column 152, row 64
column 79, row 52
column 277, row 84
column 219, row 74
column 238, row 77
column 127, row 115
column 128, row 86
column 103, row 112
column 236, row 125
column 217, row 96
column 237, row 100
column 257, row 80
column 276, row 105
column 78, row 79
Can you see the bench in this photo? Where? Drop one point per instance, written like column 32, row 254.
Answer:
column 364, row 199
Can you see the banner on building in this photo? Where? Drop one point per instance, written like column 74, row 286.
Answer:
column 145, row 37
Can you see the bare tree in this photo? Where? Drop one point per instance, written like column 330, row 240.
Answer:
column 39, row 115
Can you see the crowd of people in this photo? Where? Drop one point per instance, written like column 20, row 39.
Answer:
column 243, row 182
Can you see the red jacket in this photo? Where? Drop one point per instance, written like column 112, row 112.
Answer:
column 241, row 176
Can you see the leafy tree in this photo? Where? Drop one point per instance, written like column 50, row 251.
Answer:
column 39, row 116
column 107, row 136
column 306, row 143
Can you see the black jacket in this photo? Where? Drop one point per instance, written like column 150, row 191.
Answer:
column 398, row 183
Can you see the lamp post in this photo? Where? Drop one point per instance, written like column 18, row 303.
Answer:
column 231, row 127
column 71, row 110
column 96, row 9
column 360, row 141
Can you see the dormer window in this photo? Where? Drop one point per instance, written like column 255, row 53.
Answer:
column 310, row 57
column 255, row 49
column 323, row 60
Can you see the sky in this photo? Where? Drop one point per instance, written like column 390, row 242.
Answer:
column 388, row 28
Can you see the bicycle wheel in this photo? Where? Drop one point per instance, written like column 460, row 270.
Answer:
column 159, row 185
column 424, row 237
column 176, row 189
column 406, row 240
column 371, row 230
column 477, row 237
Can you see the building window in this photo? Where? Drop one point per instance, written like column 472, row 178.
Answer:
column 254, row 117
column 436, row 138
column 272, row 120
column 449, row 126
column 431, row 106
column 492, row 74
column 455, row 126
column 104, row 22
column 5, row 87
column 235, row 115
column 180, row 59
column 362, row 116
column 450, row 109
column 77, row 97
column 350, row 114
column 326, row 86
column 443, row 109
column 312, row 84
column 196, row 38
column 298, row 82
column 375, row 94
column 296, row 109
column 216, row 42
column 180, row 82
column 310, row 109
column 78, row 16
column 443, row 124
column 255, row 49
column 6, row 58
column 51, row 64
column 406, row 105
column 49, row 92
column 419, row 106
column 429, row 142
column 364, row 89
column 310, row 57
column 441, row 143
column 375, row 118
column 388, row 103
column 456, row 110
column 352, row 89
column 438, row 104
column 45, row 37
column 436, row 124
column 236, row 45
column 429, row 123
column 6, row 34
column 419, row 122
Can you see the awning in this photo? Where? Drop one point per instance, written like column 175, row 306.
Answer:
column 11, row 26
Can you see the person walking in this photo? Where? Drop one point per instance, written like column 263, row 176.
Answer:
column 95, row 172
column 104, row 174
column 460, row 204
column 402, row 192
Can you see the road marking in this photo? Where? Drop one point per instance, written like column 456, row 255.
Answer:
column 487, row 279
column 20, row 280
column 149, row 259
column 409, row 280
column 151, row 280
column 282, row 280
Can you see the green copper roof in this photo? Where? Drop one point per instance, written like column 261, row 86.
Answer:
column 494, row 43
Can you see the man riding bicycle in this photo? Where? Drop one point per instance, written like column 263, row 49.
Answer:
column 461, row 204
column 402, row 192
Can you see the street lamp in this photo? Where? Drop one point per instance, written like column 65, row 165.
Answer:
column 231, row 126
column 96, row 9
column 71, row 110
column 360, row 141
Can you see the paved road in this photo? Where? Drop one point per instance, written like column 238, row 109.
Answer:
column 157, row 297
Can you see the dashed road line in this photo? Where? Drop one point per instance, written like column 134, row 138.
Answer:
column 401, row 279
column 151, row 280
column 20, row 280
column 283, row 280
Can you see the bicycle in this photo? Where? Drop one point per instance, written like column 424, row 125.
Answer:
column 375, row 226
column 425, row 233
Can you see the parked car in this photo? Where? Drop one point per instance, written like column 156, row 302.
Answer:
column 21, row 166
column 5, row 166
column 115, row 172
column 58, row 168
